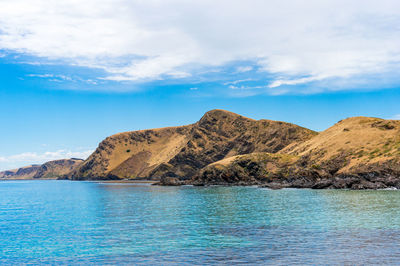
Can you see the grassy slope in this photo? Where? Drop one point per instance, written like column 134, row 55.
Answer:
column 353, row 147
column 358, row 142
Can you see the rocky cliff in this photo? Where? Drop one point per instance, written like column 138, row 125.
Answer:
column 180, row 152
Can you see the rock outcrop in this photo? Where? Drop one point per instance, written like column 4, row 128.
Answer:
column 180, row 152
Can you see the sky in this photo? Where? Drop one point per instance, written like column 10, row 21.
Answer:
column 74, row 72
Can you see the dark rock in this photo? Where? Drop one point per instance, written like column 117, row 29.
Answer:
column 322, row 184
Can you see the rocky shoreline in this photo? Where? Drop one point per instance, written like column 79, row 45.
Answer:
column 372, row 180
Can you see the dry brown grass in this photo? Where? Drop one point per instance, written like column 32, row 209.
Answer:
column 362, row 140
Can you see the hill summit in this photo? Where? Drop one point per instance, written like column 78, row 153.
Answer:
column 180, row 152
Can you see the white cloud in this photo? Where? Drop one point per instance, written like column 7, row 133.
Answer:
column 27, row 158
column 233, row 87
column 243, row 69
column 313, row 39
column 280, row 82
column 61, row 78
column 41, row 75
column 194, row 89
column 52, row 77
column 238, row 81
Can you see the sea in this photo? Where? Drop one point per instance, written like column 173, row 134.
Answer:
column 94, row 223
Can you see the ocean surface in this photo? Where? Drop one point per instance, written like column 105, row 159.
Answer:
column 63, row 222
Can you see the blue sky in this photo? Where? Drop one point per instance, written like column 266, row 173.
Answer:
column 73, row 73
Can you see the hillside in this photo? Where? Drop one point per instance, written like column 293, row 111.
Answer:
column 49, row 170
column 57, row 168
column 357, row 153
column 353, row 145
column 182, row 151
column 25, row 172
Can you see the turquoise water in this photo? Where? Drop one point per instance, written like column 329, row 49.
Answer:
column 62, row 222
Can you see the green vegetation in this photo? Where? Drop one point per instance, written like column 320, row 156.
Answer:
column 360, row 153
column 316, row 166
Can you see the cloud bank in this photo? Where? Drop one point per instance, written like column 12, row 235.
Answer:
column 295, row 42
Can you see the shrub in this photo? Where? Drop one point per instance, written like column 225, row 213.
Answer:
column 316, row 166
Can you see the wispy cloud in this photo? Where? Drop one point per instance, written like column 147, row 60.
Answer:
column 243, row 69
column 280, row 82
column 238, row 81
column 62, row 78
column 51, row 77
column 297, row 42
column 233, row 87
